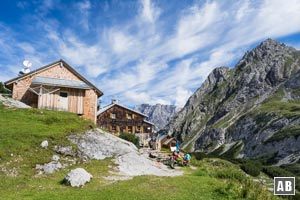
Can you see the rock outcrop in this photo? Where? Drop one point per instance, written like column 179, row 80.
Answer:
column 249, row 111
column 9, row 102
column 97, row 144
column 158, row 114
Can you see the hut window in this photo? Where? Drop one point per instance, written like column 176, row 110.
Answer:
column 112, row 115
column 129, row 116
column 63, row 94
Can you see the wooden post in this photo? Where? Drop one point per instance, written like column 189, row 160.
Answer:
column 40, row 97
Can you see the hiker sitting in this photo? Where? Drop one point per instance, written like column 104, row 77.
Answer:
column 179, row 159
column 187, row 159
column 172, row 160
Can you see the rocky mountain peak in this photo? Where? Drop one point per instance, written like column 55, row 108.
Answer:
column 158, row 114
column 221, row 111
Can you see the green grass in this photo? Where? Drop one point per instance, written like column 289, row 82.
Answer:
column 214, row 179
column 286, row 109
column 293, row 131
column 22, row 131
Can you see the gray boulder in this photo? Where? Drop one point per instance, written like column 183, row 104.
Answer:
column 78, row 177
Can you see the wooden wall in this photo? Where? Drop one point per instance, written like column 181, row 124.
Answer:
column 75, row 100
column 76, row 97
column 122, row 124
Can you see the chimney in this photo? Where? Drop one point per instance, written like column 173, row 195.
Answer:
column 114, row 101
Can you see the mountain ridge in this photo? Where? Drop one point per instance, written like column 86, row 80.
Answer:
column 212, row 117
column 158, row 114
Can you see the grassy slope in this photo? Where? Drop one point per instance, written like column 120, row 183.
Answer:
column 22, row 130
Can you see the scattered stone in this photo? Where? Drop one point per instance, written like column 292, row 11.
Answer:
column 49, row 168
column 117, row 178
column 67, row 151
column 55, row 158
column 44, row 144
column 78, row 177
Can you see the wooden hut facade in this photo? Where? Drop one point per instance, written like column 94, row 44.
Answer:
column 117, row 119
column 57, row 86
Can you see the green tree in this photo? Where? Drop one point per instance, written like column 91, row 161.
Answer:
column 3, row 90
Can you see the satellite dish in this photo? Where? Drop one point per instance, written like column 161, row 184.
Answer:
column 27, row 63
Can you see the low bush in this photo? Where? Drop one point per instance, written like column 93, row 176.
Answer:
column 231, row 174
column 199, row 155
column 251, row 169
column 277, row 172
column 130, row 138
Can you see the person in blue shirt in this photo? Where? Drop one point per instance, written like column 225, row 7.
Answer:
column 177, row 146
column 187, row 159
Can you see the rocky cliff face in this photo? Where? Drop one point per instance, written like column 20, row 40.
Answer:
column 249, row 111
column 158, row 114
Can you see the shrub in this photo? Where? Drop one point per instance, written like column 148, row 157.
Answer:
column 3, row 89
column 251, row 169
column 277, row 172
column 231, row 174
column 130, row 137
column 199, row 155
column 294, row 168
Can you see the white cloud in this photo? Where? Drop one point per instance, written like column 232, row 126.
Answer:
column 139, row 60
column 182, row 96
column 143, row 97
column 84, row 13
column 26, row 47
column 120, row 42
column 79, row 54
column 149, row 11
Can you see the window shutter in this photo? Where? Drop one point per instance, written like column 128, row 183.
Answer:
column 110, row 115
column 133, row 115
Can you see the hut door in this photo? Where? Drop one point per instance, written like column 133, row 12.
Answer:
column 63, row 101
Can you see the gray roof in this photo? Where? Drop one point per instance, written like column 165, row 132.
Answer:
column 168, row 141
column 9, row 82
column 39, row 80
column 113, row 104
column 149, row 122
column 162, row 137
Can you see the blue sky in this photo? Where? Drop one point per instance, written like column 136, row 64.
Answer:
column 141, row 51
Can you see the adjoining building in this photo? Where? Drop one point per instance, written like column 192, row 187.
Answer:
column 117, row 119
column 57, row 86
